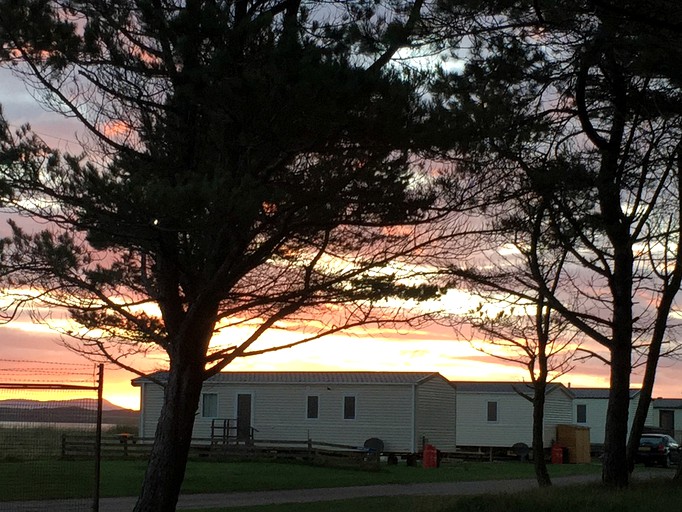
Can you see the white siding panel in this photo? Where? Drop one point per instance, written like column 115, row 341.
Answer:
column 596, row 417
column 279, row 413
column 152, row 400
column 514, row 424
column 435, row 414
column 631, row 412
column 558, row 411
column 226, row 410
column 652, row 418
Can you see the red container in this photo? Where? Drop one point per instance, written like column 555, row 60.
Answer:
column 430, row 457
column 557, row 454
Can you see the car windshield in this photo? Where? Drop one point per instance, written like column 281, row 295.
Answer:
column 644, row 441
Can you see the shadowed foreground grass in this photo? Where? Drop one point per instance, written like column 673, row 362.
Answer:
column 649, row 496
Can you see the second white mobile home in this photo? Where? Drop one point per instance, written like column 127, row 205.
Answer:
column 590, row 407
column 499, row 414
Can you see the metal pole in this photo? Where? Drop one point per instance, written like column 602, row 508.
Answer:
column 98, row 438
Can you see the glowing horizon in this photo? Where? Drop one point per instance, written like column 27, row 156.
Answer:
column 431, row 348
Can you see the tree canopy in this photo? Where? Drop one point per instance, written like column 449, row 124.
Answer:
column 248, row 162
column 571, row 108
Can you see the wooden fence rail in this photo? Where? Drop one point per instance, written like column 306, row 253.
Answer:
column 128, row 446
column 74, row 445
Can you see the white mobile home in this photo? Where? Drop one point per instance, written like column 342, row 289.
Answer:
column 590, row 406
column 403, row 409
column 495, row 414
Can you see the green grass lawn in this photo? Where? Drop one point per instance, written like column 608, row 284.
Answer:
column 259, row 476
column 70, row 479
column 251, row 476
column 650, row 496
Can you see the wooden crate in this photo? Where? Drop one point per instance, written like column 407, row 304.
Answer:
column 577, row 439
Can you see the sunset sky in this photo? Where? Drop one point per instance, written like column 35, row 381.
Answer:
column 429, row 348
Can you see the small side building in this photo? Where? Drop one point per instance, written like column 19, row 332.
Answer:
column 498, row 415
column 666, row 415
column 402, row 409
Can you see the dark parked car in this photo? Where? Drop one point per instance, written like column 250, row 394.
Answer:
column 658, row 449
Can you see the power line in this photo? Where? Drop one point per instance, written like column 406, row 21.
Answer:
column 47, row 363
column 44, row 134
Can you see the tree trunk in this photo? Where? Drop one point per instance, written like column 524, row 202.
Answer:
column 615, row 470
column 541, row 472
column 168, row 459
column 644, row 402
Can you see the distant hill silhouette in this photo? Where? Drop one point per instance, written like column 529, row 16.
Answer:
column 65, row 411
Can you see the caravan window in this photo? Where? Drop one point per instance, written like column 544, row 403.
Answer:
column 348, row 407
column 313, row 407
column 581, row 413
column 209, row 405
column 492, row 411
